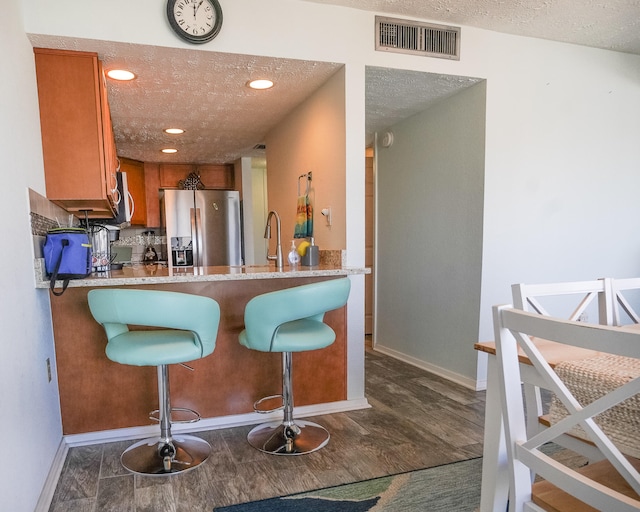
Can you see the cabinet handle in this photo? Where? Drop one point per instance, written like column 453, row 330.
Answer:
column 132, row 203
column 116, row 195
column 114, row 188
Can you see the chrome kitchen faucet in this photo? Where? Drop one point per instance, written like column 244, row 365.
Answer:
column 277, row 257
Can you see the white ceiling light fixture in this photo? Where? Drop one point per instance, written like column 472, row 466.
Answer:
column 169, row 150
column 121, row 74
column 174, row 131
column 260, row 84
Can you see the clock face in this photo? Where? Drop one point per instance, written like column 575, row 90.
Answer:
column 195, row 21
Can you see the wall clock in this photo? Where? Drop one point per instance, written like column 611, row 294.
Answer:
column 195, row 21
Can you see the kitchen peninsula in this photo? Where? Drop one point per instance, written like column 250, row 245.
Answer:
column 99, row 395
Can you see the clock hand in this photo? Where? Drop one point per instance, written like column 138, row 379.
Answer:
column 199, row 4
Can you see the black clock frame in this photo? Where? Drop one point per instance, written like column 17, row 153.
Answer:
column 190, row 38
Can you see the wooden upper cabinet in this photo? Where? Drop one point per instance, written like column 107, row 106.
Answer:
column 217, row 176
column 77, row 136
column 212, row 176
column 152, row 189
column 135, row 182
column 171, row 174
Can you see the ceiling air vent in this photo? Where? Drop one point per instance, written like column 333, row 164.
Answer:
column 415, row 38
column 260, row 147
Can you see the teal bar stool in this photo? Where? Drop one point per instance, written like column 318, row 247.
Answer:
column 188, row 326
column 290, row 321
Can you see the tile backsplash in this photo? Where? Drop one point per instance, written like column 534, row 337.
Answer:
column 141, row 238
column 45, row 216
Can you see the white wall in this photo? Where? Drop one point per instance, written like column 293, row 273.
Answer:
column 251, row 174
column 429, row 210
column 30, row 427
column 562, row 169
column 259, row 207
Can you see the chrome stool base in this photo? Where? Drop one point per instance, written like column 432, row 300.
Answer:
column 157, row 456
column 281, row 439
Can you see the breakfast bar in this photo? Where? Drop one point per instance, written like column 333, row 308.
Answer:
column 98, row 395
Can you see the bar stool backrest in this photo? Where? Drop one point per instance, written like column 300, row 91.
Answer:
column 117, row 308
column 265, row 313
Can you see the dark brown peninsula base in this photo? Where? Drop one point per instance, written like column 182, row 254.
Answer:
column 97, row 394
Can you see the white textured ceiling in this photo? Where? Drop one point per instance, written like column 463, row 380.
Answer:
column 204, row 93
column 395, row 95
column 609, row 24
column 200, row 91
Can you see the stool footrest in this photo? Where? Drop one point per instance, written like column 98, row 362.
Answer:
column 257, row 403
column 195, row 416
column 148, row 457
column 288, row 439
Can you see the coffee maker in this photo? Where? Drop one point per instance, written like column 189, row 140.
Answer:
column 101, row 238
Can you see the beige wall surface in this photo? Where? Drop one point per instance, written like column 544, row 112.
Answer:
column 311, row 139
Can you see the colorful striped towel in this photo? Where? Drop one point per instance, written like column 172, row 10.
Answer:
column 304, row 218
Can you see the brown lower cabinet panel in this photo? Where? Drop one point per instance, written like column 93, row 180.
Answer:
column 98, row 394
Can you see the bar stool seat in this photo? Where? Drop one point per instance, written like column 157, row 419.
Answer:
column 187, row 329
column 288, row 321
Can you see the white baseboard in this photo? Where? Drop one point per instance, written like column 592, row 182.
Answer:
column 431, row 368
column 44, row 502
column 123, row 434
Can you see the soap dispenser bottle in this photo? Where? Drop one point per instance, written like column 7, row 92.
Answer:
column 294, row 257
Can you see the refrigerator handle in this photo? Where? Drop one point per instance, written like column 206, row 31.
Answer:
column 196, row 236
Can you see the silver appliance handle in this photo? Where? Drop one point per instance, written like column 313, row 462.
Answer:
column 132, row 205
column 194, row 235
column 196, row 228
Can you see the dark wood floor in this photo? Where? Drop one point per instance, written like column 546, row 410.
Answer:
column 417, row 420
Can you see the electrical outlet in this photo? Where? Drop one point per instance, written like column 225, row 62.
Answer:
column 49, row 369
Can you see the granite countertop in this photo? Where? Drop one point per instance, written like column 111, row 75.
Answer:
column 159, row 274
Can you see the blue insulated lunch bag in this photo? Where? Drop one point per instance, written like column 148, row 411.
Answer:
column 67, row 255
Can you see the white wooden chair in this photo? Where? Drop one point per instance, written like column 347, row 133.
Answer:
column 585, row 301
column 620, row 488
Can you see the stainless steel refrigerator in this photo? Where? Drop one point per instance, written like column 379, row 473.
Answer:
column 203, row 227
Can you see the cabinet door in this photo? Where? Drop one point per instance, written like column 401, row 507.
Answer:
column 108, row 138
column 212, row 176
column 135, row 181
column 171, row 174
column 73, row 104
column 216, row 176
column 152, row 190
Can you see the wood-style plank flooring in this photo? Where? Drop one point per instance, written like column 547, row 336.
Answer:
column 417, row 420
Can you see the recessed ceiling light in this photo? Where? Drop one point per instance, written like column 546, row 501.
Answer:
column 174, row 131
column 120, row 74
column 169, row 150
column 260, row 84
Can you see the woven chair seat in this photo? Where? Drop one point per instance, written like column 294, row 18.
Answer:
column 592, row 378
